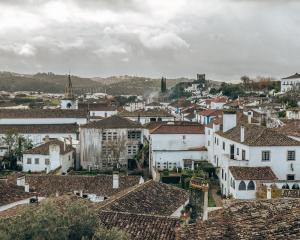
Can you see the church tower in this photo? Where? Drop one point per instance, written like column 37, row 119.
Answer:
column 69, row 101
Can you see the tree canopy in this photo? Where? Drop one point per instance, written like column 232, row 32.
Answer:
column 52, row 221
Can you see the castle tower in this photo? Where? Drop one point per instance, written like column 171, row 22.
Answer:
column 69, row 101
column 199, row 199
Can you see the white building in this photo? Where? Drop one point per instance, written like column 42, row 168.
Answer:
column 151, row 115
column 177, row 146
column 50, row 156
column 218, row 103
column 290, row 83
column 253, row 146
column 38, row 132
column 293, row 113
column 98, row 109
column 42, row 116
column 111, row 142
column 206, row 116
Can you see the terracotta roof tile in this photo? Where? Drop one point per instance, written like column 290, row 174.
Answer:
column 39, row 128
column 211, row 112
column 259, row 136
column 151, row 198
column 146, row 113
column 43, row 149
column 114, row 121
column 42, row 113
column 179, row 129
column 252, row 173
column 139, row 226
column 47, row 185
column 296, row 75
column 263, row 219
column 10, row 193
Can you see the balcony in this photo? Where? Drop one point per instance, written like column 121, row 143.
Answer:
column 234, row 161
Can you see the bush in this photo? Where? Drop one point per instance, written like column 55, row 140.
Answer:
column 51, row 221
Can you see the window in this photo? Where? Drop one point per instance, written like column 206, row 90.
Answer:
column 215, row 140
column 290, row 177
column 109, row 136
column 136, row 135
column 28, row 160
column 223, row 145
column 208, row 143
column 242, row 186
column 218, row 141
column 222, row 173
column 36, row 160
column 251, row 186
column 286, row 186
column 114, row 136
column 295, row 186
column 69, row 157
column 132, row 149
column 103, row 136
column 265, row 156
column 291, row 155
column 243, row 155
column 237, row 151
column 47, row 161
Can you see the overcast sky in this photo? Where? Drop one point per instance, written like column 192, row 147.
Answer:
column 222, row 38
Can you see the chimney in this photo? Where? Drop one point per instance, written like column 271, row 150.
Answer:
column 81, row 193
column 141, row 180
column 205, row 205
column 229, row 120
column 64, row 144
column 21, row 181
column 46, row 139
column 249, row 119
column 242, row 133
column 269, row 193
column 26, row 187
column 116, row 180
column 70, row 140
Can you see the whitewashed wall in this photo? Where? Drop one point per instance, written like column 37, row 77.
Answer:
column 12, row 121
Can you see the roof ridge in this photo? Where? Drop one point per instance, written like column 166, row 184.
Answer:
column 141, row 214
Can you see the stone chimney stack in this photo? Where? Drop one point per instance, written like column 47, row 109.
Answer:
column 229, row 120
column 116, row 180
column 242, row 133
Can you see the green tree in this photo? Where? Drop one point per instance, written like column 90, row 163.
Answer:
column 16, row 145
column 56, row 221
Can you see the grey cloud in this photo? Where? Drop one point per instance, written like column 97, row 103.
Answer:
column 222, row 38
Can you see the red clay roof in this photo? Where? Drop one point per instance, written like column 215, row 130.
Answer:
column 178, row 129
column 211, row 112
column 252, row 173
column 43, row 149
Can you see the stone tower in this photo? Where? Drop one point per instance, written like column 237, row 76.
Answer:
column 199, row 199
column 69, row 101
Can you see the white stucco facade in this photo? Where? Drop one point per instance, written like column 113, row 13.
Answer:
column 48, row 162
column 168, row 151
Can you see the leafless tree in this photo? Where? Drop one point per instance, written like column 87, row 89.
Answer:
column 113, row 151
